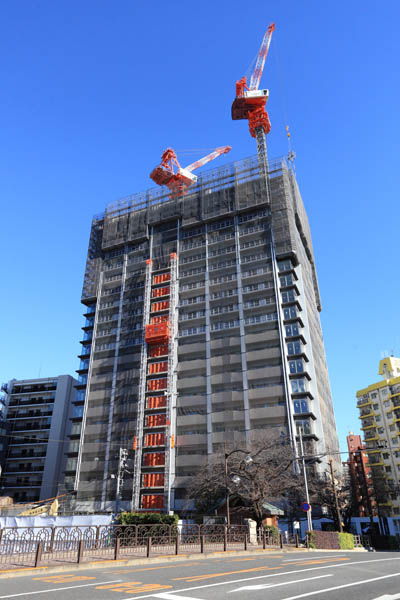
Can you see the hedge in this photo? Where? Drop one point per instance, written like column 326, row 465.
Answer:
column 346, row 541
column 135, row 518
column 330, row 540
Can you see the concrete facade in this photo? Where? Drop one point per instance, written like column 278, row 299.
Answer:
column 379, row 406
column 230, row 279
column 37, row 417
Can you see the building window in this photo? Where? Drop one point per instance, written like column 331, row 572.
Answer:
column 288, row 296
column 292, row 330
column 388, row 469
column 290, row 312
column 300, row 406
column 298, row 386
column 78, row 411
column 296, row 366
column 386, row 404
column 375, row 406
column 294, row 348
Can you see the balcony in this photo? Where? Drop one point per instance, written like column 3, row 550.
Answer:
column 363, row 402
column 31, row 427
column 26, row 469
column 368, row 424
column 366, row 413
column 31, row 402
column 375, row 463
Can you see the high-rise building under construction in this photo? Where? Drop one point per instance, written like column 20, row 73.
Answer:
column 202, row 325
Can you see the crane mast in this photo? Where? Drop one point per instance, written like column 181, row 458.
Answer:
column 250, row 104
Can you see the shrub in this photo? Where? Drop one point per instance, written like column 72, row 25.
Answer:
column 311, row 539
column 346, row 541
column 135, row 518
column 271, row 530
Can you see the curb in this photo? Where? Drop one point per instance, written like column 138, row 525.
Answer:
column 129, row 562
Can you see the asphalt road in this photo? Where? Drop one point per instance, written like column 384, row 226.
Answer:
column 289, row 576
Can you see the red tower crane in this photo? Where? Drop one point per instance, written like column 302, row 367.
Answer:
column 250, row 101
column 178, row 183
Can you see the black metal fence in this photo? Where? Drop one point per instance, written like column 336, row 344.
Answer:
column 35, row 546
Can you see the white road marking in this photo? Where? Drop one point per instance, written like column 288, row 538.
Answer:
column 314, row 558
column 341, row 587
column 264, row 586
column 389, row 597
column 70, row 587
column 173, row 597
column 200, row 587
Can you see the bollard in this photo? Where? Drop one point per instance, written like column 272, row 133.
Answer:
column 177, row 543
column 245, row 541
column 116, row 548
column 281, row 540
column 38, row 556
column 225, row 539
column 264, row 541
column 80, row 551
column 297, row 540
column 148, row 552
column 202, row 544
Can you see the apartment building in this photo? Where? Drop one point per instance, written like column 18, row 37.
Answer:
column 202, row 327
column 379, row 406
column 360, row 477
column 37, row 419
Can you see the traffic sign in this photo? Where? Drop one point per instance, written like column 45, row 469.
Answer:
column 305, row 506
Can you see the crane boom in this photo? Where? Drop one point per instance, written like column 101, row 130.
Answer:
column 203, row 161
column 178, row 183
column 262, row 55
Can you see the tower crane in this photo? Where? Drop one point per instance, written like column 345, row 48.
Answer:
column 179, row 182
column 250, row 102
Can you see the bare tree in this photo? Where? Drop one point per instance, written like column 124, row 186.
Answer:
column 264, row 471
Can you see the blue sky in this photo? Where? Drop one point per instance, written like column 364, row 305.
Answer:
column 93, row 92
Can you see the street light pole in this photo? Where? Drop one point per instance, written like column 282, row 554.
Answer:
column 309, row 517
column 248, row 460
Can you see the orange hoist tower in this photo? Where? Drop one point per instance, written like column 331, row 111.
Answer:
column 178, row 183
column 154, row 442
column 250, row 102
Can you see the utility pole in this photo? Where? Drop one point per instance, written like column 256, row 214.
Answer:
column 228, row 515
column 309, row 517
column 339, row 518
column 123, row 457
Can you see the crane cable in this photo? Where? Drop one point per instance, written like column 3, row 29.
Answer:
column 291, row 154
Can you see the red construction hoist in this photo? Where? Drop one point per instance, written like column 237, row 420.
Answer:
column 178, row 183
column 250, row 102
column 155, row 435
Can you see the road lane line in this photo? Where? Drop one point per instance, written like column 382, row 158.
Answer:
column 341, row 587
column 70, row 587
column 314, row 558
column 267, row 586
column 173, row 597
column 192, row 578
